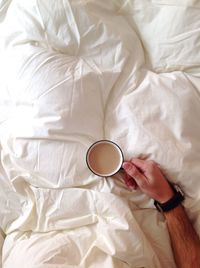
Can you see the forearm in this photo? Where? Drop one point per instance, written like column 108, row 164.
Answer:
column 185, row 241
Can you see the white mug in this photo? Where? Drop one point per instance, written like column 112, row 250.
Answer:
column 104, row 158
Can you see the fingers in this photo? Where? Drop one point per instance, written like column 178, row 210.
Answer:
column 142, row 164
column 130, row 182
column 132, row 171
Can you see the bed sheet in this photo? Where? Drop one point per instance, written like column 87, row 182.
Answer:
column 74, row 72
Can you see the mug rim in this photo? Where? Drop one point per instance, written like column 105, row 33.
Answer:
column 106, row 141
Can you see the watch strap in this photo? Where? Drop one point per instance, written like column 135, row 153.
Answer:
column 170, row 204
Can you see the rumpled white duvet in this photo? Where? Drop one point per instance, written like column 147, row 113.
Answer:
column 76, row 71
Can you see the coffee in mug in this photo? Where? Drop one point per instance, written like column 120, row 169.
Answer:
column 104, row 158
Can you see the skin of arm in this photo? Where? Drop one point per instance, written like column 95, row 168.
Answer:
column 148, row 177
column 185, row 241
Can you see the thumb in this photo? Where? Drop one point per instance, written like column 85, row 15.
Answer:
column 134, row 173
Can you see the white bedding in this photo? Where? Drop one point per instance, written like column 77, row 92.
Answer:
column 73, row 72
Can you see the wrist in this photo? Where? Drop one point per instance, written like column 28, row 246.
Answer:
column 165, row 198
column 176, row 198
column 169, row 193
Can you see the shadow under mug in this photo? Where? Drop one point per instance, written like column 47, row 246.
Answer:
column 104, row 158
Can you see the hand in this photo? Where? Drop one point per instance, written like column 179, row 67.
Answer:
column 148, row 177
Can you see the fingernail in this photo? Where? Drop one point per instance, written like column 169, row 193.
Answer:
column 126, row 166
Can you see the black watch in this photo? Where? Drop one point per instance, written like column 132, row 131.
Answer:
column 173, row 202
